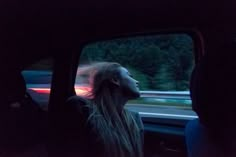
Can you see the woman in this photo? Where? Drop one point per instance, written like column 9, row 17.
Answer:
column 118, row 132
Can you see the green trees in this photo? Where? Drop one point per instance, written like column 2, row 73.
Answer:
column 142, row 78
column 162, row 62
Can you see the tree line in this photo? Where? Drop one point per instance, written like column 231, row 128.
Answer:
column 162, row 62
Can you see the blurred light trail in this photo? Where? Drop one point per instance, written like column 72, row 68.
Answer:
column 80, row 90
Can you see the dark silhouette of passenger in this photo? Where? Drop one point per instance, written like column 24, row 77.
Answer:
column 21, row 119
column 213, row 96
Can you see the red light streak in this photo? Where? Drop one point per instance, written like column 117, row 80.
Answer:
column 78, row 89
column 41, row 90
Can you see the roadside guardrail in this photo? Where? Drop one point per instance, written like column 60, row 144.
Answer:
column 177, row 95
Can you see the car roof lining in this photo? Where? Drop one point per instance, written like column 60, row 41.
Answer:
column 43, row 28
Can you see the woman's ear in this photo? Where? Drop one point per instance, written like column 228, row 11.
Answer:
column 115, row 81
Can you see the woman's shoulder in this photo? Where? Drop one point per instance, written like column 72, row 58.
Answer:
column 133, row 113
column 136, row 117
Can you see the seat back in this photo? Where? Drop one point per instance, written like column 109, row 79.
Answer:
column 21, row 119
column 71, row 134
column 198, row 141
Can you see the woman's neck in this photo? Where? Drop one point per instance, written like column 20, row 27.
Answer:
column 119, row 100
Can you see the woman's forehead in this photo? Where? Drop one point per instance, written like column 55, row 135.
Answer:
column 123, row 70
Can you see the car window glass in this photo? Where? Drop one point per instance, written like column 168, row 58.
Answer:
column 38, row 81
column 161, row 63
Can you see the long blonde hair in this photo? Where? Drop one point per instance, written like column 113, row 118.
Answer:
column 118, row 131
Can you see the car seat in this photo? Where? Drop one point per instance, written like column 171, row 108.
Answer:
column 72, row 133
column 22, row 122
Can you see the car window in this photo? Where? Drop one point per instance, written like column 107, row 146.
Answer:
column 162, row 64
column 38, row 81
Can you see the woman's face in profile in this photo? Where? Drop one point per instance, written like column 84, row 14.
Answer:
column 128, row 84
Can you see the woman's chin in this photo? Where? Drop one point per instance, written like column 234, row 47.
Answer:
column 134, row 95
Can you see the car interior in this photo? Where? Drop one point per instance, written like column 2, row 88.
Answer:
column 35, row 30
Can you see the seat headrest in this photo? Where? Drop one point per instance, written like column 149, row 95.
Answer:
column 77, row 100
column 13, row 87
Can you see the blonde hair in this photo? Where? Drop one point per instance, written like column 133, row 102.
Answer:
column 118, row 131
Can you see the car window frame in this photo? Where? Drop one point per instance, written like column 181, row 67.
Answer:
column 198, row 50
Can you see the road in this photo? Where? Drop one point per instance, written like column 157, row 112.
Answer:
column 39, row 82
column 162, row 111
column 143, row 109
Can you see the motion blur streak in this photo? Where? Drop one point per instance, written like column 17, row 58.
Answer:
column 41, row 90
column 79, row 90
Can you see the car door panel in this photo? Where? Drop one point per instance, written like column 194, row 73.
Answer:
column 164, row 139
